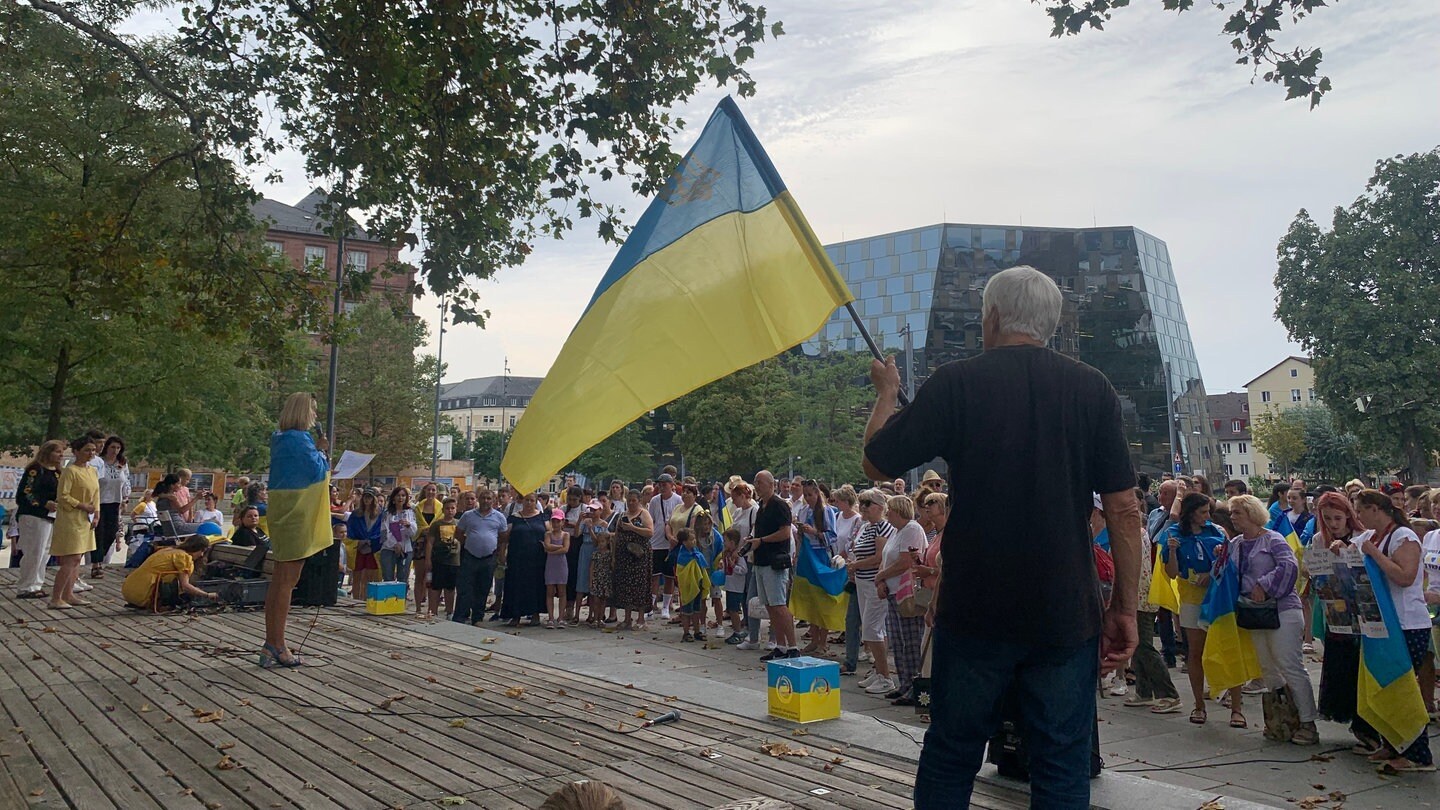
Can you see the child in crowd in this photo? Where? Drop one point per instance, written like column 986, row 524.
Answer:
column 444, row 552
column 602, row 576
column 710, row 541
column 692, row 575
column 557, row 569
column 208, row 513
column 735, row 568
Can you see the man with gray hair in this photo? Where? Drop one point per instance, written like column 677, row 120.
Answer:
column 1016, row 420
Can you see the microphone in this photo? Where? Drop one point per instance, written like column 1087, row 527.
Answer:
column 668, row 717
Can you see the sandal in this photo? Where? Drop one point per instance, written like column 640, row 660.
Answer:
column 1198, row 717
column 97, row 572
column 1237, row 720
column 271, row 657
column 1395, row 767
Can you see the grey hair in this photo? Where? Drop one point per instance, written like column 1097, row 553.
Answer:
column 1023, row 301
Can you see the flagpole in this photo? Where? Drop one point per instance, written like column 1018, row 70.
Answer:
column 874, row 349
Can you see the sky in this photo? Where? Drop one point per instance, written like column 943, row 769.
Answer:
column 969, row 111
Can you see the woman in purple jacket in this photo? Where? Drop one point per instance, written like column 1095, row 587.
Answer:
column 1268, row 570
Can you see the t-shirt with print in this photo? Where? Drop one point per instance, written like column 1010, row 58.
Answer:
column 444, row 547
column 1013, row 422
column 1430, row 561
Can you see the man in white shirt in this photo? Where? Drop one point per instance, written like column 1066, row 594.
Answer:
column 661, row 507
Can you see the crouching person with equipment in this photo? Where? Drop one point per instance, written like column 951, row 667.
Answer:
column 162, row 582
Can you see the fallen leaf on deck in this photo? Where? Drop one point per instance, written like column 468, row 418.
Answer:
column 589, row 707
column 104, row 646
column 452, row 801
column 515, row 692
column 640, row 714
column 36, row 657
column 225, row 746
column 213, row 806
column 1337, row 796
column 799, row 732
column 1213, row 804
column 227, row 764
column 485, row 657
column 243, row 703
column 308, row 786
column 395, row 656
column 629, row 686
column 671, row 698
column 1321, row 758
column 49, row 630
column 210, row 717
column 188, row 792
column 371, row 738
column 488, row 640
column 146, row 707
column 479, row 690
column 780, row 749
column 38, row 792
column 620, row 726
column 431, row 679
column 457, row 723
column 561, row 692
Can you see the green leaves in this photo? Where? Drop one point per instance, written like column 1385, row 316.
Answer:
column 1360, row 297
column 1252, row 23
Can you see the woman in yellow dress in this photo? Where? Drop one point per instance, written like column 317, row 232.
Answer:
column 143, row 588
column 74, row 535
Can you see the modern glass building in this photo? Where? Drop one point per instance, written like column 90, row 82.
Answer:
column 1122, row 315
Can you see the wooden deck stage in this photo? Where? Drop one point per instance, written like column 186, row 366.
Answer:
column 104, row 707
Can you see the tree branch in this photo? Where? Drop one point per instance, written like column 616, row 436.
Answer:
column 113, row 42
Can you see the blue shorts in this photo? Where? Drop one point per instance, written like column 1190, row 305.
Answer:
column 693, row 606
column 734, row 602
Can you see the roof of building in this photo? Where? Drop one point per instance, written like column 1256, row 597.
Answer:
column 1226, row 408
column 1296, row 358
column 490, row 386
column 302, row 217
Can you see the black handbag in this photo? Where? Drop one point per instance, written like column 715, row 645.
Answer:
column 1253, row 615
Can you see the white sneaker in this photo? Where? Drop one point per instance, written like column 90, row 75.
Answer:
column 665, row 614
column 866, row 657
column 747, row 644
column 1255, row 687
column 868, row 679
column 1120, row 689
column 83, row 586
column 881, row 686
column 770, row 645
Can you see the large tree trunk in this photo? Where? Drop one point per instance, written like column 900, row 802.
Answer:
column 1417, row 461
column 57, row 391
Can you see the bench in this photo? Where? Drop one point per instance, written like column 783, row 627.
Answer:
column 237, row 557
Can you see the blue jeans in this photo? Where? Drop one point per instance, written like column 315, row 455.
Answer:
column 472, row 589
column 394, row 566
column 969, row 679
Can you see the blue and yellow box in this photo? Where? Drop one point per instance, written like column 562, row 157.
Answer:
column 803, row 689
column 385, row 598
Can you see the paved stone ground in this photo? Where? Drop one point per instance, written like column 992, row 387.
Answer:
column 1167, row 749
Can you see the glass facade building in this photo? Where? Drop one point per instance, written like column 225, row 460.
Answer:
column 1122, row 315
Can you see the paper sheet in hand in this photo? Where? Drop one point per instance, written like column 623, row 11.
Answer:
column 350, row 465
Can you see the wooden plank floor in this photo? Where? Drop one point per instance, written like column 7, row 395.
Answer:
column 104, row 707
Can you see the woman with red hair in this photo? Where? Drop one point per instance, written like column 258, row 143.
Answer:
column 1341, row 532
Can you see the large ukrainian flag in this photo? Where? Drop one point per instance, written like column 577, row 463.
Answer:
column 1229, row 658
column 817, row 594
column 722, row 271
column 1389, row 695
column 299, row 506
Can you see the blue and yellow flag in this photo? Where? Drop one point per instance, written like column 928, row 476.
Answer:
column 1229, row 657
column 692, row 573
column 723, row 516
column 1282, row 526
column 299, row 508
column 817, row 594
column 722, row 271
column 1389, row 696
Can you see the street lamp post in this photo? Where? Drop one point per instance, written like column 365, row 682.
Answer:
column 793, row 459
column 439, row 366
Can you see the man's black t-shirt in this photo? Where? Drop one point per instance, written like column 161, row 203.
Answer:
column 1029, row 435
column 773, row 515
